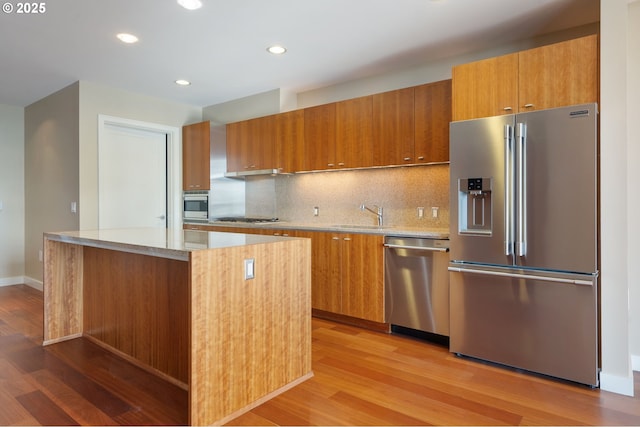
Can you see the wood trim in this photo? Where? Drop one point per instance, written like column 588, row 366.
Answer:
column 63, row 277
column 353, row 321
column 263, row 399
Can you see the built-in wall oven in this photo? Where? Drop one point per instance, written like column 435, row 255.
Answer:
column 196, row 206
column 417, row 284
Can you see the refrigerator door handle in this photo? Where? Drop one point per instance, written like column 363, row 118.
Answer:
column 521, row 137
column 521, row 276
column 508, row 190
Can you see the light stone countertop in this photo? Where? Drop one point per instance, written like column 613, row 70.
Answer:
column 160, row 242
column 398, row 231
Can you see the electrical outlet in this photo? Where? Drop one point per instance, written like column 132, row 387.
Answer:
column 249, row 268
column 420, row 212
column 434, row 212
column 316, row 211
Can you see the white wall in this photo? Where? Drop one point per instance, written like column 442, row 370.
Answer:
column 11, row 195
column 618, row 210
column 633, row 159
column 95, row 100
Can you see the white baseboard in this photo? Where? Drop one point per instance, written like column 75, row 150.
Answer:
column 8, row 281
column 616, row 384
column 635, row 362
column 36, row 284
column 19, row 280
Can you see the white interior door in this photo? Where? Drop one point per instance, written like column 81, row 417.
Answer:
column 132, row 177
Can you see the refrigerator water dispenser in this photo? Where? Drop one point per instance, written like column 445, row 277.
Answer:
column 474, row 206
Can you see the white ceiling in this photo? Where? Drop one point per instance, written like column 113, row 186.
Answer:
column 221, row 48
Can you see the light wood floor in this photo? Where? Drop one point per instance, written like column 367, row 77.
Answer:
column 361, row 378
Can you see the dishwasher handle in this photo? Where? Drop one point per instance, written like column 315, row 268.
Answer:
column 419, row 248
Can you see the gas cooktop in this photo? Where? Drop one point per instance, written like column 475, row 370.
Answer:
column 245, row 219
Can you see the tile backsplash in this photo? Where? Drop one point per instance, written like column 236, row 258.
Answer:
column 339, row 194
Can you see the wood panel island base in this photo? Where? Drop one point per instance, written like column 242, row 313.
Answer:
column 227, row 316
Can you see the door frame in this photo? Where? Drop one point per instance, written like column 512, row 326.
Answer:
column 174, row 159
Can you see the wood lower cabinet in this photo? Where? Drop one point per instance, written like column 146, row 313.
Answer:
column 195, row 156
column 347, row 274
column 551, row 76
column 347, row 270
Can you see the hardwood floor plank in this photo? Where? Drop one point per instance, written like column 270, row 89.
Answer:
column 361, row 377
column 12, row 412
column 72, row 402
column 44, row 410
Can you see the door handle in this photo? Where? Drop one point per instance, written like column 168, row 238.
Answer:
column 521, row 136
column 521, row 276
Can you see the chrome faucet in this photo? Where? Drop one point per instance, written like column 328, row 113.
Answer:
column 377, row 212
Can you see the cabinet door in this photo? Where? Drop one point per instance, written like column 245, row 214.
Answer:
column 320, row 137
column 261, row 145
column 559, row 75
column 432, row 117
column 237, row 139
column 485, row 88
column 354, row 131
column 393, row 127
column 326, row 269
column 195, row 156
column 363, row 276
column 290, row 141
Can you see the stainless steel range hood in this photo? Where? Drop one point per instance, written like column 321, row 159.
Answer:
column 252, row 172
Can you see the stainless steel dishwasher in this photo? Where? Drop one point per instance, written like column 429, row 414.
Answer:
column 416, row 284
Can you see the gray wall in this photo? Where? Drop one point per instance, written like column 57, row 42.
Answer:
column 51, row 170
column 11, row 194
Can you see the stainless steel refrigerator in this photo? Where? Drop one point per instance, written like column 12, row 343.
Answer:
column 524, row 241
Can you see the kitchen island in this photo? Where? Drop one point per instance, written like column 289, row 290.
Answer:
column 227, row 316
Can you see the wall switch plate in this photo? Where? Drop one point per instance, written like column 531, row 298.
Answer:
column 249, row 268
column 434, row 212
column 316, row 211
column 74, row 207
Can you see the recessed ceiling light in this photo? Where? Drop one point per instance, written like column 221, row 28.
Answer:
column 276, row 50
column 190, row 4
column 182, row 82
column 127, row 38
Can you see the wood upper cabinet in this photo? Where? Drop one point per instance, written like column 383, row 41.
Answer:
column 354, row 133
column 289, row 141
column 319, row 137
column 559, row 75
column 393, row 127
column 195, row 156
column 251, row 144
column 432, row 118
column 551, row 76
column 485, row 88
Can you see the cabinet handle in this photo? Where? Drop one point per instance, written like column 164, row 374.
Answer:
column 340, row 163
column 528, row 105
column 335, row 238
column 285, row 234
column 330, row 165
column 420, row 157
column 347, row 239
column 507, row 109
column 406, row 159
